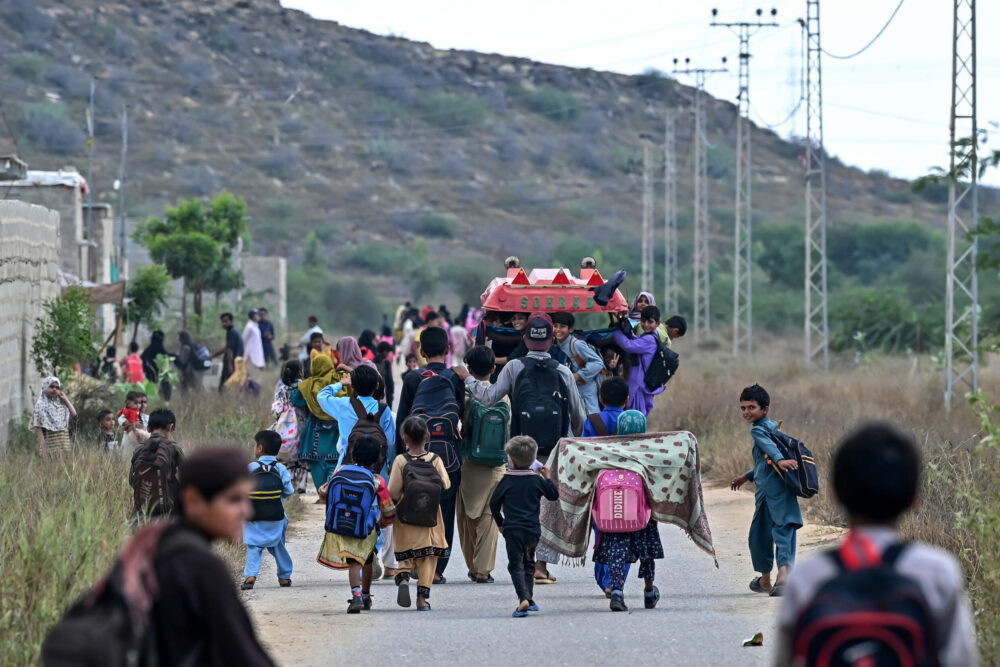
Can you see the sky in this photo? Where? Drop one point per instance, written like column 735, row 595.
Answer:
column 887, row 108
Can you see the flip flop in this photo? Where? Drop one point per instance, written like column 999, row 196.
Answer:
column 777, row 590
column 403, row 594
column 757, row 588
column 544, row 578
column 285, row 584
column 247, row 585
column 533, row 607
column 427, row 608
column 519, row 614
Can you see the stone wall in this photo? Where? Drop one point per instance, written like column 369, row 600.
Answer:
column 29, row 261
column 68, row 203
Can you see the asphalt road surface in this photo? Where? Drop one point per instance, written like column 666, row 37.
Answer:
column 703, row 616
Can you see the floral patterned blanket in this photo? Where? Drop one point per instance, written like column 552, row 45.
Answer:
column 668, row 463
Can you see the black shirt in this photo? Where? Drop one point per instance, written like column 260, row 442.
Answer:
column 234, row 342
column 410, row 383
column 518, row 497
column 198, row 618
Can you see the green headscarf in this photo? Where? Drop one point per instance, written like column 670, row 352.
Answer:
column 631, row 422
column 322, row 375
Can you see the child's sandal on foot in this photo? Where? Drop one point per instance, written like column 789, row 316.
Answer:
column 248, row 583
column 651, row 597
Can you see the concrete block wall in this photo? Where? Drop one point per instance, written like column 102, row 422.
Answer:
column 29, row 263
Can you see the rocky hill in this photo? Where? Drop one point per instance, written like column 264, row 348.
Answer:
column 395, row 154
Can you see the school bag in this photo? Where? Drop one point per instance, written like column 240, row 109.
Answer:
column 598, row 425
column 540, row 404
column 422, row 488
column 153, row 478
column 266, row 496
column 434, row 402
column 107, row 627
column 662, row 367
column 368, row 425
column 803, row 481
column 350, row 502
column 620, row 503
column 869, row 614
column 203, row 358
column 487, row 430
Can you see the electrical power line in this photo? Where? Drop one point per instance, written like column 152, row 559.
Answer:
column 873, row 39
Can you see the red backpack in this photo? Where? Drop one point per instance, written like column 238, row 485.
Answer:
column 620, row 503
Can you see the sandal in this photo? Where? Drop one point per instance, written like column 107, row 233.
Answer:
column 544, row 578
column 248, row 583
column 403, row 589
column 284, row 583
column 777, row 590
column 439, row 579
column 757, row 588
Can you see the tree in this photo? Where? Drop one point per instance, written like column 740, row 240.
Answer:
column 148, row 292
column 196, row 243
column 66, row 334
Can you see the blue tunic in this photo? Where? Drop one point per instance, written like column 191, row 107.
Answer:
column 269, row 533
column 782, row 504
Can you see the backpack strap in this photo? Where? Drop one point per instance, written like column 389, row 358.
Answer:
column 359, row 408
column 598, row 424
column 891, row 555
column 381, row 411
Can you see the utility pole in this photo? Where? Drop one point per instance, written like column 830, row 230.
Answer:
column 702, row 323
column 670, row 286
column 121, row 192
column 90, row 162
column 742, row 255
column 817, row 328
column 647, row 216
column 961, row 335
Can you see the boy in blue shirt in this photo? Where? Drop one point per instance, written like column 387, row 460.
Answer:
column 614, row 396
column 776, row 516
column 365, row 381
column 270, row 535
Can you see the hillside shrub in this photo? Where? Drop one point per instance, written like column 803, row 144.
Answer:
column 319, row 141
column 47, row 125
column 27, row 65
column 453, row 166
column 68, row 79
column 453, row 112
column 197, row 180
column 376, row 257
column 197, row 74
column 283, row 163
column 25, row 16
column 872, row 250
column 435, row 224
column 554, row 103
column 355, row 303
column 509, row 148
column 122, row 45
column 392, row 85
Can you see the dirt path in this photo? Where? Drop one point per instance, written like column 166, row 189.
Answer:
column 703, row 615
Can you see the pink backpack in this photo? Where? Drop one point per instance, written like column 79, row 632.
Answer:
column 620, row 503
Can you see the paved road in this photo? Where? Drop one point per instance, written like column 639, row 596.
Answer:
column 702, row 618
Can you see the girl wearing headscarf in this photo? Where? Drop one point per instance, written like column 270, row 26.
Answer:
column 149, row 367
column 349, row 353
column 318, row 436
column 289, row 421
column 50, row 418
column 240, row 381
column 619, row 550
column 642, row 300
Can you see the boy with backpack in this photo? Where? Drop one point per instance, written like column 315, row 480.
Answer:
column 614, row 397
column 436, row 394
column 485, row 431
column 357, row 505
column 582, row 359
column 153, row 475
column 360, row 414
column 545, row 402
column 515, row 505
column 266, row 527
column 776, row 514
column 641, row 350
column 416, row 484
column 877, row 599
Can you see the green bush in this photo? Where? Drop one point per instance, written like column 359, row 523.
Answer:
column 381, row 258
column 66, row 335
column 435, row 224
column 554, row 103
column 28, row 65
column 457, row 112
column 355, row 304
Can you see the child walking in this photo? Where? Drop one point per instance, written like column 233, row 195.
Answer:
column 619, row 550
column 776, row 515
column 876, row 477
column 417, row 479
column 353, row 545
column 515, row 505
column 266, row 529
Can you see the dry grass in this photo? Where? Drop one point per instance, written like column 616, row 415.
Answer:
column 821, row 409
column 64, row 520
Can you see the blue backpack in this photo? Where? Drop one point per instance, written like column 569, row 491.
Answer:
column 350, row 502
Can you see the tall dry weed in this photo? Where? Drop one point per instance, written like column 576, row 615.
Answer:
column 959, row 506
column 65, row 520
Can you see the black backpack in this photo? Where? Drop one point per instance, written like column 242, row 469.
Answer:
column 435, row 403
column 867, row 615
column 422, row 488
column 662, row 367
column 370, row 425
column 540, row 404
column 101, row 629
column 153, row 478
column 804, row 480
column 266, row 496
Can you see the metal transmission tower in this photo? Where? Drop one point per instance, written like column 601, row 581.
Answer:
column 742, row 255
column 671, row 289
column 702, row 322
column 817, row 328
column 647, row 216
column 961, row 342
